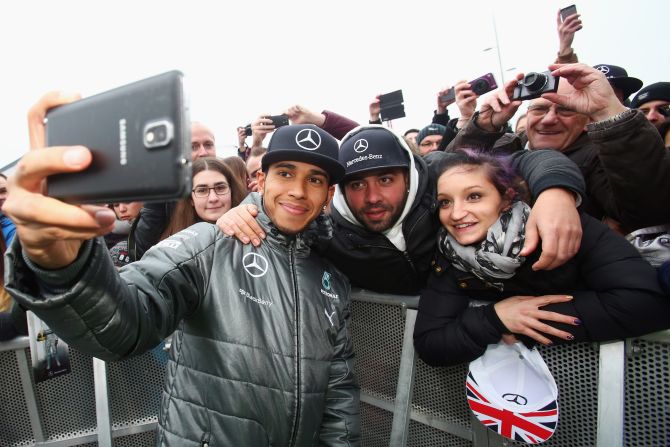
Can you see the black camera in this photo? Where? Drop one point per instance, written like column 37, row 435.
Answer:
column 533, row 85
column 247, row 130
column 479, row 86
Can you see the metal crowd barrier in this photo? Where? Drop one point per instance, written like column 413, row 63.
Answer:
column 610, row 395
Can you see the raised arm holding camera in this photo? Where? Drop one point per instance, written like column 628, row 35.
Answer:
column 622, row 158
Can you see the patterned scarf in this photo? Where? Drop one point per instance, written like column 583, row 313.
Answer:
column 497, row 256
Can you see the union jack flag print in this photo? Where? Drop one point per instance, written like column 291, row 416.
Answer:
column 531, row 427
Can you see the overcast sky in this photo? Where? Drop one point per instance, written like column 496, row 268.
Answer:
column 245, row 58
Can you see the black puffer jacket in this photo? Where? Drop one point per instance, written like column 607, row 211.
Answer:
column 261, row 354
column 616, row 295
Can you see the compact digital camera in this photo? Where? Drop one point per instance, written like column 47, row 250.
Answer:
column 481, row 85
column 533, row 85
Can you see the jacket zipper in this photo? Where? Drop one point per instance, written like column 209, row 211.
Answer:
column 294, row 431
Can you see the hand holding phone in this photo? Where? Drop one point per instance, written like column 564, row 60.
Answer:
column 51, row 231
column 139, row 137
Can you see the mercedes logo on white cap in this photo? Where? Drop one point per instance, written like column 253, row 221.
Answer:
column 361, row 145
column 308, row 139
column 255, row 264
column 604, row 69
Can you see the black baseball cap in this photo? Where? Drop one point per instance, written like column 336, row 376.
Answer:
column 306, row 143
column 658, row 91
column 372, row 147
column 618, row 77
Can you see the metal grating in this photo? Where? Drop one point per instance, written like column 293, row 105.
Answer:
column 15, row 429
column 146, row 439
column 440, row 392
column 62, row 419
column 647, row 412
column 375, row 426
column 135, row 386
column 377, row 332
column 421, row 435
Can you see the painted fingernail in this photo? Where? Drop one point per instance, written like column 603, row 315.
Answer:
column 75, row 156
column 570, row 337
column 550, row 343
column 105, row 217
column 578, row 321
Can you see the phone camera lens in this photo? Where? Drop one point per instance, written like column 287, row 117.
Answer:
column 158, row 134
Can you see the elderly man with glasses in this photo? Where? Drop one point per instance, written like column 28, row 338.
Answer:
column 621, row 155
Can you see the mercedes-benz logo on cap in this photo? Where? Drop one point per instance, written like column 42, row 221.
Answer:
column 604, row 69
column 515, row 398
column 361, row 145
column 255, row 264
column 308, row 139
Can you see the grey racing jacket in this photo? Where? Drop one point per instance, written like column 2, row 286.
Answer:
column 261, row 355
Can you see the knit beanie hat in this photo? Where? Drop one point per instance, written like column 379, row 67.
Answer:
column 431, row 129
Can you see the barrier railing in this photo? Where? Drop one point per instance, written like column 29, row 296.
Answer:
column 610, row 395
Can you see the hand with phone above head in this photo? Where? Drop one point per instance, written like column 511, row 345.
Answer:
column 466, row 100
column 375, row 109
column 568, row 22
column 298, row 114
column 51, row 232
column 497, row 109
column 260, row 128
column 445, row 98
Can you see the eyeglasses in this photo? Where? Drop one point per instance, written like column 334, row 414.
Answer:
column 203, row 191
column 541, row 110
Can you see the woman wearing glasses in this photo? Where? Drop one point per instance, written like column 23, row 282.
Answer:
column 215, row 190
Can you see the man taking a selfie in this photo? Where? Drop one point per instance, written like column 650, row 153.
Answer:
column 261, row 355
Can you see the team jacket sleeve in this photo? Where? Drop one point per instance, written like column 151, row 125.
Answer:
column 110, row 314
column 447, row 331
column 341, row 418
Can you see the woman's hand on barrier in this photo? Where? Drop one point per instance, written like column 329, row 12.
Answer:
column 522, row 315
column 240, row 222
column 51, row 231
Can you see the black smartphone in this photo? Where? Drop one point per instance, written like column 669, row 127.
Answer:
column 279, row 120
column 481, row 85
column 391, row 105
column 568, row 11
column 140, row 138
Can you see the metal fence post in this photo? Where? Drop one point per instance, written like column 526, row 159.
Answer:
column 403, row 398
column 102, row 403
column 611, row 375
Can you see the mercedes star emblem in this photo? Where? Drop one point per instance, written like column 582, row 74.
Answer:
column 255, row 264
column 361, row 145
column 308, row 139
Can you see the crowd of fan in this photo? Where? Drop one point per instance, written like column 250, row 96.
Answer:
column 561, row 227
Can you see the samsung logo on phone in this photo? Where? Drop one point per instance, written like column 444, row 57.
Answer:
column 123, row 151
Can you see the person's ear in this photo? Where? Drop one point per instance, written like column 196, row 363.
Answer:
column 260, row 181
column 331, row 192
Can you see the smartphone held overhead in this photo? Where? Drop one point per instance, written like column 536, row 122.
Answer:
column 139, row 136
column 568, row 11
